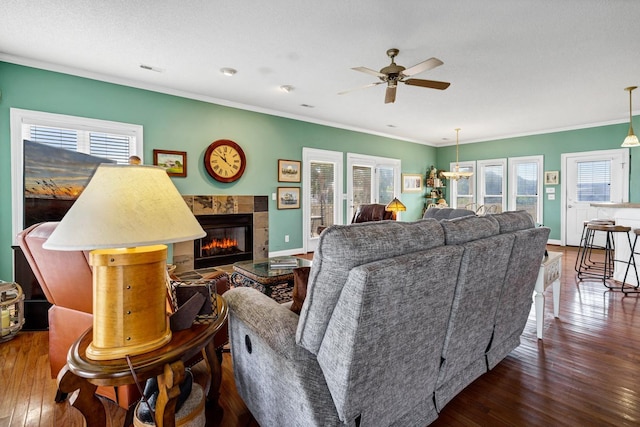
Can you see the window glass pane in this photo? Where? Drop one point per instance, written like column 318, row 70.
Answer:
column 362, row 176
column 527, row 183
column 464, row 186
column 322, row 187
column 493, row 175
column 594, row 181
column 493, row 204
column 385, row 185
column 529, row 204
column 465, row 202
column 112, row 147
column 54, row 137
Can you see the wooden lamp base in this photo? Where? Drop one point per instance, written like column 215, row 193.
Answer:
column 129, row 301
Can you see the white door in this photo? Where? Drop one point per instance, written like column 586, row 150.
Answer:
column 371, row 180
column 591, row 177
column 322, row 193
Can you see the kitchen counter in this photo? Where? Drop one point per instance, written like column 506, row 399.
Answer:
column 626, row 214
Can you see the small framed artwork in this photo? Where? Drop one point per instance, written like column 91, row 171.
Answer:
column 288, row 197
column 288, row 170
column 551, row 178
column 174, row 162
column 411, row 182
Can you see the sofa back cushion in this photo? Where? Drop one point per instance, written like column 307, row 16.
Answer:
column 381, row 352
column 340, row 249
column 515, row 299
column 482, row 272
column 513, row 221
column 446, row 213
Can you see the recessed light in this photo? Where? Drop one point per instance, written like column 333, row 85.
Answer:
column 287, row 88
column 228, row 71
column 307, row 106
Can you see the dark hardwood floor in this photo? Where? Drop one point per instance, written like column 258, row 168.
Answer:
column 586, row 372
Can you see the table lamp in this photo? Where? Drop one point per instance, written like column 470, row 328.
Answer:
column 125, row 216
column 395, row 206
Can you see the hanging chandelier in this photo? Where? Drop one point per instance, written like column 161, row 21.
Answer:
column 631, row 140
column 457, row 174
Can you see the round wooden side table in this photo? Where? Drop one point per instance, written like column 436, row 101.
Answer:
column 167, row 363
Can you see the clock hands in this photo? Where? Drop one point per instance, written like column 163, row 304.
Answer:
column 224, row 158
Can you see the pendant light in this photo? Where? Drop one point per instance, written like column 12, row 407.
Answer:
column 456, row 175
column 631, row 140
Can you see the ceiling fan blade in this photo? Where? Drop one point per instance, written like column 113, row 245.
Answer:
column 423, row 66
column 369, row 71
column 432, row 84
column 390, row 95
column 358, row 88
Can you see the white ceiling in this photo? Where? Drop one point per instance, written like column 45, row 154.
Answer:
column 516, row 67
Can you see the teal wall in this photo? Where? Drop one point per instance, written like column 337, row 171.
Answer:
column 172, row 122
column 552, row 146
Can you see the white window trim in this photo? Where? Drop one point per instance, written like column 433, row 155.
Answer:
column 481, row 164
column 513, row 176
column 454, row 183
column 18, row 117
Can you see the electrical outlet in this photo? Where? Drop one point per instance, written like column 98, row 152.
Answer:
column 286, row 238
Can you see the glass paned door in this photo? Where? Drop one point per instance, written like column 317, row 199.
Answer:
column 322, row 196
column 322, row 193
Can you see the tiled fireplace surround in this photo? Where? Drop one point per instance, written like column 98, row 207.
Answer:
column 183, row 256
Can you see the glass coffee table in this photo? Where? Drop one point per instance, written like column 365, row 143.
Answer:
column 276, row 283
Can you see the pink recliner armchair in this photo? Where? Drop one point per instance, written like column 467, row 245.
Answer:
column 66, row 279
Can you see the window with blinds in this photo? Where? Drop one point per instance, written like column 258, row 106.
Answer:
column 108, row 145
column 594, row 181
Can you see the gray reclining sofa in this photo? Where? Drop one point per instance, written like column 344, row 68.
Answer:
column 398, row 319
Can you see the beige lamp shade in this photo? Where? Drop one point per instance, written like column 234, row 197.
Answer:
column 125, row 206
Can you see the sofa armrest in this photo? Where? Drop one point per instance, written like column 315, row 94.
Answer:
column 272, row 322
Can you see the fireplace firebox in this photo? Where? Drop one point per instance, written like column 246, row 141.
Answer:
column 229, row 239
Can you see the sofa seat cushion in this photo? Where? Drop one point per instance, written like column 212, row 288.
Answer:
column 340, row 249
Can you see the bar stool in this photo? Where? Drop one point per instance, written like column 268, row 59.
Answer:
column 583, row 259
column 602, row 270
column 632, row 261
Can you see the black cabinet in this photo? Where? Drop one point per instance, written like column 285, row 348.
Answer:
column 36, row 305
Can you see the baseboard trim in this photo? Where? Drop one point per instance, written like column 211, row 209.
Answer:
column 287, row 252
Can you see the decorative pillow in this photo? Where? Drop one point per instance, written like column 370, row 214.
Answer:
column 300, row 279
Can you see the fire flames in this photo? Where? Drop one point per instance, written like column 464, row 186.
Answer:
column 225, row 243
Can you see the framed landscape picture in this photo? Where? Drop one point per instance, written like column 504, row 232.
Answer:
column 174, row 162
column 411, row 183
column 288, row 197
column 288, row 170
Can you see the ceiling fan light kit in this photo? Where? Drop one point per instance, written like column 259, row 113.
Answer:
column 631, row 140
column 457, row 174
column 393, row 74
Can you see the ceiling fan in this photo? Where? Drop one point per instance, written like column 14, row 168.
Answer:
column 393, row 74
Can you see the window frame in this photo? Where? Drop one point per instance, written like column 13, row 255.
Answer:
column 21, row 119
column 481, row 164
column 472, row 182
